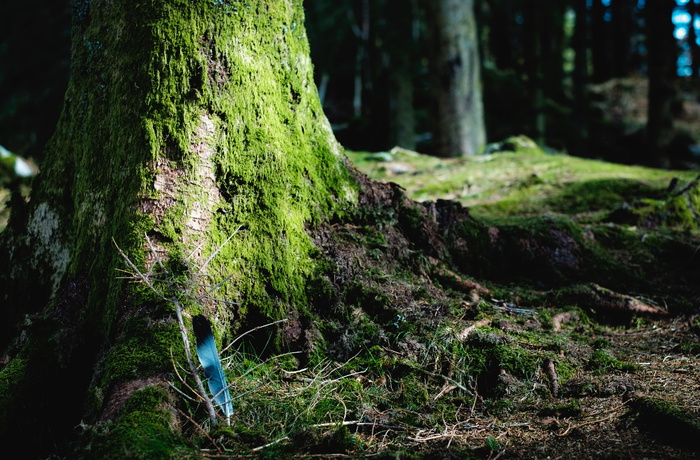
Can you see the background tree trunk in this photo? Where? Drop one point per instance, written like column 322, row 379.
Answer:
column 662, row 52
column 623, row 29
column 401, row 57
column 580, row 75
column 183, row 121
column 601, row 52
column 455, row 68
column 694, row 11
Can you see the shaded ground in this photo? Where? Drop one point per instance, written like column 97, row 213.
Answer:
column 585, row 346
column 554, row 317
column 549, row 309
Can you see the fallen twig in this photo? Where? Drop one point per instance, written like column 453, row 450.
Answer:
column 591, row 422
column 551, row 373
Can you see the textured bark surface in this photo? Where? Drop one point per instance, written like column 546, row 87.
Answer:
column 662, row 62
column 458, row 117
column 184, row 121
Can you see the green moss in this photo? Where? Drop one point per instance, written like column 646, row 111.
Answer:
column 12, row 377
column 569, row 408
column 683, row 210
column 601, row 362
column 526, row 182
column 518, row 144
column 600, row 195
column 566, row 370
column 414, row 393
column 689, row 348
column 485, row 355
column 666, row 421
column 144, row 430
column 144, row 349
column 679, row 210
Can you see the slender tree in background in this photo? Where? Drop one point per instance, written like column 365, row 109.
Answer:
column 613, row 29
column 623, row 32
column 183, row 121
column 662, row 51
column 602, row 32
column 553, row 48
column 503, row 40
column 400, row 49
column 580, row 74
column 694, row 47
column 544, row 58
column 455, row 77
column 533, row 21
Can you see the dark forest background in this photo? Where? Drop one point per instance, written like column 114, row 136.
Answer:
column 609, row 79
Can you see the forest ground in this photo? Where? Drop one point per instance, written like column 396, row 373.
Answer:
column 620, row 389
column 563, row 324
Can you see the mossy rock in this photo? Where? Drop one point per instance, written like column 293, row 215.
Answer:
column 516, row 144
column 680, row 210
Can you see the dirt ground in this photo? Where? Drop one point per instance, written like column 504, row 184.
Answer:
column 605, row 420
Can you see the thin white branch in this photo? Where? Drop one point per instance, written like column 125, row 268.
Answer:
column 253, row 330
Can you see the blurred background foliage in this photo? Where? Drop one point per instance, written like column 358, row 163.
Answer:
column 572, row 74
column 609, row 79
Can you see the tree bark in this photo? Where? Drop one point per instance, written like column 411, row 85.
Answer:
column 400, row 40
column 623, row 28
column 580, row 43
column 455, row 75
column 183, row 122
column 662, row 52
column 694, row 11
column 601, row 52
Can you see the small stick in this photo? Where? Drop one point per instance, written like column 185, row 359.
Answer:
column 183, row 331
column 551, row 373
column 284, row 438
column 253, row 330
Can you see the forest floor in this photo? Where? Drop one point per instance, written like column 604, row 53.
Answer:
column 574, row 334
column 600, row 410
column 565, row 325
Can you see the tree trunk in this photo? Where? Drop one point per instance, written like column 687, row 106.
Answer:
column 580, row 75
column 183, row 122
column 534, row 22
column 458, row 118
column 504, row 41
column 400, row 40
column 553, row 47
column 623, row 22
column 662, row 52
column 694, row 11
column 601, row 53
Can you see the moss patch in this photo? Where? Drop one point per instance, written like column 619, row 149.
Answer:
column 664, row 420
column 145, row 429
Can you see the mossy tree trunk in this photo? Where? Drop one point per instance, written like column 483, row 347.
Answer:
column 183, row 122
